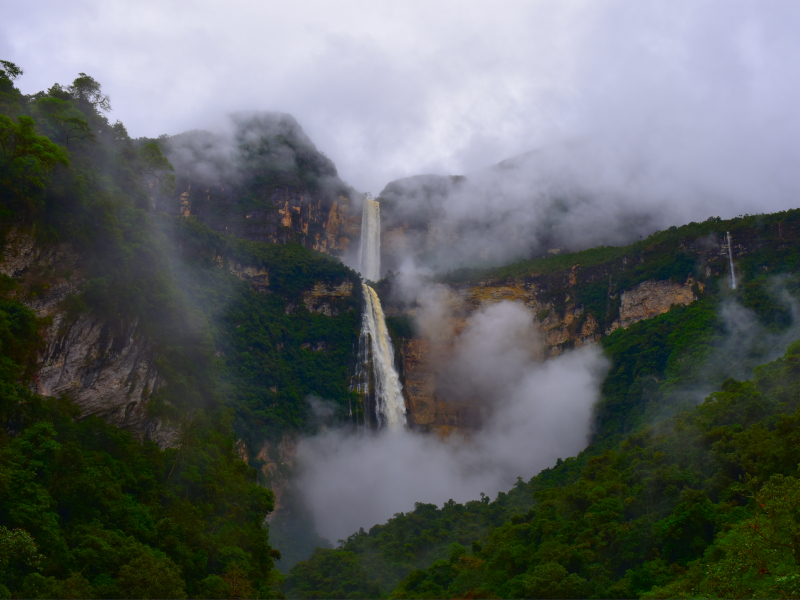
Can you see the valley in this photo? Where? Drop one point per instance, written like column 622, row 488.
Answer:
column 217, row 357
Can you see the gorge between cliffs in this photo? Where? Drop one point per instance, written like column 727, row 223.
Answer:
column 525, row 414
column 225, row 372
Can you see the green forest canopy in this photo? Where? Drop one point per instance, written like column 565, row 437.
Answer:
column 87, row 508
column 671, row 500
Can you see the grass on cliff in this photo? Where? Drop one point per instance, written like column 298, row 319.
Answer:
column 661, row 243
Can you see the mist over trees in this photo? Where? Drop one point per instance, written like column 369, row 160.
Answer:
column 660, row 462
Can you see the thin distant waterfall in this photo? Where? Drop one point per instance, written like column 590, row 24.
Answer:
column 369, row 254
column 730, row 261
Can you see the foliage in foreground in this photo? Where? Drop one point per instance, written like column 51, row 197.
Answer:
column 87, row 510
column 235, row 363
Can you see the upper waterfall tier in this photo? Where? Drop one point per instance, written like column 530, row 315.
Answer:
column 369, row 254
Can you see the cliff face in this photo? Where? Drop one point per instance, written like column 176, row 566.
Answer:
column 564, row 325
column 564, row 321
column 653, row 298
column 322, row 297
column 266, row 182
column 106, row 368
column 576, row 306
column 316, row 220
column 428, row 408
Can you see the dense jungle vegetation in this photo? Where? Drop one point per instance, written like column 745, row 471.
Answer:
column 672, row 499
column 689, row 488
column 662, row 255
column 690, row 485
column 89, row 510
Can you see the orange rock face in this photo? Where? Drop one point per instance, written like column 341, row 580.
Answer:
column 650, row 299
column 562, row 321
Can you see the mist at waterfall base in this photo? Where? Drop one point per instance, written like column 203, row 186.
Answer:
column 536, row 412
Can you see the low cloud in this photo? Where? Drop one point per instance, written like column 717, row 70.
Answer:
column 535, row 413
column 746, row 342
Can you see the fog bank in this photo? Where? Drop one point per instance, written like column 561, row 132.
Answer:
column 536, row 413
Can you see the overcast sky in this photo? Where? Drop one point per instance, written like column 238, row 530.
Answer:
column 395, row 89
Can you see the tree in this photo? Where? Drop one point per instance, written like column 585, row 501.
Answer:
column 239, row 586
column 151, row 576
column 9, row 70
column 551, row 580
column 10, row 97
column 120, row 133
column 758, row 557
column 25, row 159
column 87, row 91
column 777, row 523
column 18, row 555
column 157, row 168
column 66, row 118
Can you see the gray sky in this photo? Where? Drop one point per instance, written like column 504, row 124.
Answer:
column 395, row 89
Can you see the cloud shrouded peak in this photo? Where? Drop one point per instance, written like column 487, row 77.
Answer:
column 690, row 96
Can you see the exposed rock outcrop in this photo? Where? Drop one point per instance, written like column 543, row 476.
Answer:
column 267, row 182
column 257, row 277
column 564, row 324
column 323, row 296
column 313, row 219
column 427, row 410
column 107, row 369
column 652, row 298
column 277, row 462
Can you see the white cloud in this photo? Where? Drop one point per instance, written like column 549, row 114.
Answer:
column 535, row 412
column 704, row 92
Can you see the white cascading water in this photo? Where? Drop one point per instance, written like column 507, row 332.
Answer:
column 369, row 253
column 375, row 348
column 730, row 261
column 375, row 351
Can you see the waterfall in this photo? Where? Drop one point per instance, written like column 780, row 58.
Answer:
column 369, row 254
column 730, row 261
column 375, row 365
column 375, row 375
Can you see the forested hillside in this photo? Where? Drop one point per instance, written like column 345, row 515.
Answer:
column 207, row 308
column 238, row 334
column 689, row 486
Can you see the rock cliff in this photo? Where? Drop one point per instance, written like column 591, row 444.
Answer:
column 276, row 462
column 578, row 305
column 314, row 219
column 323, row 296
column 265, row 182
column 564, row 325
column 107, row 368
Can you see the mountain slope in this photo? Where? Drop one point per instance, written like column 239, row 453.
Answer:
column 664, row 500
column 203, row 342
column 266, row 182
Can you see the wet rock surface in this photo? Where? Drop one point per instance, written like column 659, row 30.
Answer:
column 107, row 368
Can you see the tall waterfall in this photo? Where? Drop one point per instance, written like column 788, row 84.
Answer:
column 369, row 254
column 376, row 365
column 375, row 375
column 730, row 261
